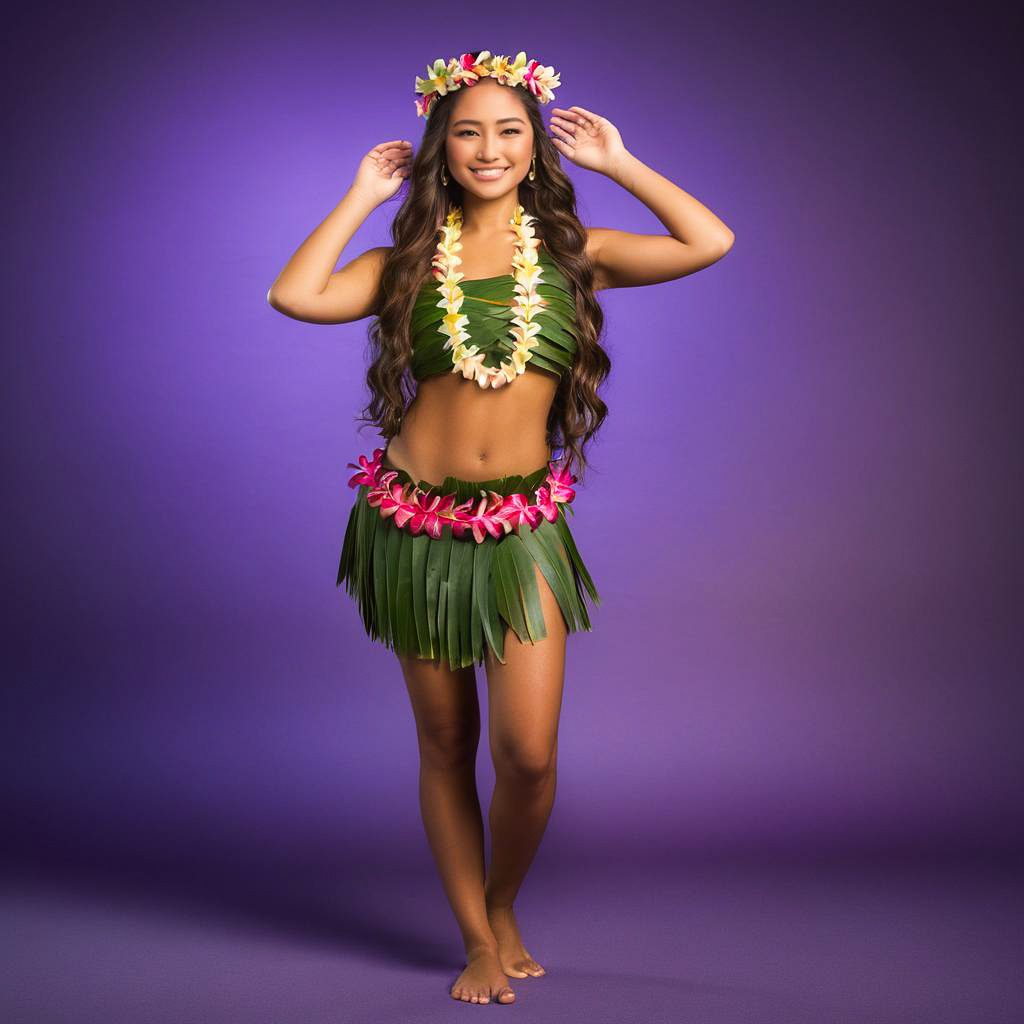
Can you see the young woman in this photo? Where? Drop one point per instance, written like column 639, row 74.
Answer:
column 457, row 546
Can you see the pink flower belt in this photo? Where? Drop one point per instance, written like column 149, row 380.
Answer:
column 493, row 513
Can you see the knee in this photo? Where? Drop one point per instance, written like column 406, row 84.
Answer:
column 526, row 763
column 449, row 744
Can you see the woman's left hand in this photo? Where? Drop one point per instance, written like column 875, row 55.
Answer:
column 587, row 139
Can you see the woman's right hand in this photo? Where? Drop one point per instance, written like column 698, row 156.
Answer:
column 382, row 171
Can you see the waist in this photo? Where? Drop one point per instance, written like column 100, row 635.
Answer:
column 454, row 428
column 479, row 473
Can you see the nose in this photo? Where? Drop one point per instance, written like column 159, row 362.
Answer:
column 488, row 151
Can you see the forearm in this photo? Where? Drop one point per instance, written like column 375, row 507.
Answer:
column 310, row 268
column 686, row 218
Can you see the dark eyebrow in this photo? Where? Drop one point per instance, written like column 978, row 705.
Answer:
column 502, row 120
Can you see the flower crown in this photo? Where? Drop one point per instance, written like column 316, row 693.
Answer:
column 447, row 76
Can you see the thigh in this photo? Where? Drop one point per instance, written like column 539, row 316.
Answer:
column 525, row 694
column 445, row 705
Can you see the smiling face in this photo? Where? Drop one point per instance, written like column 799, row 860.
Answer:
column 489, row 128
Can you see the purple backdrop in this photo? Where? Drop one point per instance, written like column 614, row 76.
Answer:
column 825, row 654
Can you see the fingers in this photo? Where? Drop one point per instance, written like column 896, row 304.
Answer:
column 399, row 149
column 562, row 136
column 576, row 116
column 401, row 166
column 393, row 157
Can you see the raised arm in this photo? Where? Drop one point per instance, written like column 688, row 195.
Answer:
column 698, row 238
column 622, row 259
column 306, row 289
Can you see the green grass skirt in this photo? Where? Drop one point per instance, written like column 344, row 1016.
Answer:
column 451, row 598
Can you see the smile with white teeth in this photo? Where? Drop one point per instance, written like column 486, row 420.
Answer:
column 489, row 174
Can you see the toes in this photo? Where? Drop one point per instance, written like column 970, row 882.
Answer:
column 506, row 995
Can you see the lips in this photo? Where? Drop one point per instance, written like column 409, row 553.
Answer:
column 489, row 173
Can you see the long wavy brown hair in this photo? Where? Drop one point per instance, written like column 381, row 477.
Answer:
column 576, row 411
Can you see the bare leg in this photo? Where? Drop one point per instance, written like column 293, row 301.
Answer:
column 447, row 712
column 525, row 700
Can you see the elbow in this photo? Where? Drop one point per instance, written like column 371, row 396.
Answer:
column 275, row 302
column 720, row 248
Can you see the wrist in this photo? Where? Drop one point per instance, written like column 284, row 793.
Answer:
column 362, row 199
column 621, row 170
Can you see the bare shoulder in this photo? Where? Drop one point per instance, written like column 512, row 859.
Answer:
column 351, row 293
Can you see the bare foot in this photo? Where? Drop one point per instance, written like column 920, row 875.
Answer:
column 515, row 961
column 482, row 979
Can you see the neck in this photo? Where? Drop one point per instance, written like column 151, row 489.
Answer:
column 487, row 216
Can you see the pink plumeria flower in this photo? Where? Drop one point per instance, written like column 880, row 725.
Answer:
column 381, row 490
column 387, row 495
column 430, row 513
column 484, row 520
column 397, row 503
column 517, row 510
column 559, row 481
column 545, row 505
column 492, row 514
column 370, row 469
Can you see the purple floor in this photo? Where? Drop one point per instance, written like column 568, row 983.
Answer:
column 818, row 942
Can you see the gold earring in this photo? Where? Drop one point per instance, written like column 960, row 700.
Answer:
column 444, row 177
column 533, row 167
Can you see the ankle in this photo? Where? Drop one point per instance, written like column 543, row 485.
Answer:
column 481, row 947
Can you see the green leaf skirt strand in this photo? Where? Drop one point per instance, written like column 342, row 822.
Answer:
column 442, row 571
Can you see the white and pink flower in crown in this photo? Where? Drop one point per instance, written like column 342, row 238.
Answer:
column 445, row 76
column 492, row 514
column 541, row 80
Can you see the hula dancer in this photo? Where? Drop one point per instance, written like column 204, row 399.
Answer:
column 457, row 548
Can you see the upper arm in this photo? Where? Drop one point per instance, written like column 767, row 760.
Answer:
column 351, row 293
column 625, row 260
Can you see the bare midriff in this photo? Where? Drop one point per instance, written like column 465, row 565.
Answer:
column 453, row 427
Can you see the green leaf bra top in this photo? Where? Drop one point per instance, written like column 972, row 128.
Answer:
column 488, row 316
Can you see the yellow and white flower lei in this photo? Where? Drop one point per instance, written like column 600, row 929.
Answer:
column 467, row 359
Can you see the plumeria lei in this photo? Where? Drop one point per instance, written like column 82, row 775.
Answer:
column 492, row 514
column 468, row 359
column 445, row 76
